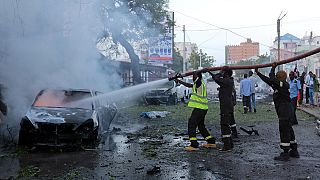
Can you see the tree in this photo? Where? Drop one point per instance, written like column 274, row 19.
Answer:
column 131, row 21
column 206, row 61
column 263, row 59
column 177, row 61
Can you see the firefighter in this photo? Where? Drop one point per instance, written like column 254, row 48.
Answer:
column 199, row 102
column 281, row 98
column 225, row 81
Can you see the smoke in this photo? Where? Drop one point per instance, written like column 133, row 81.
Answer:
column 50, row 44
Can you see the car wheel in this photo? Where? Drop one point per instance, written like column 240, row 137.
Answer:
column 173, row 99
column 25, row 138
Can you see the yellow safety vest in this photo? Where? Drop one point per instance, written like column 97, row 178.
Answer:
column 197, row 100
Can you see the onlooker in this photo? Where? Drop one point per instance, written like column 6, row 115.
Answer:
column 294, row 90
column 307, row 87
column 245, row 92
column 253, row 92
column 310, row 87
column 316, row 89
column 302, row 82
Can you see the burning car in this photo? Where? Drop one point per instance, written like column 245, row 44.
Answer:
column 65, row 117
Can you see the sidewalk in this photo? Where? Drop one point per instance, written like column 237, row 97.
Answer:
column 314, row 111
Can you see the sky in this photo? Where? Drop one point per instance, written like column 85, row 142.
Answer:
column 206, row 22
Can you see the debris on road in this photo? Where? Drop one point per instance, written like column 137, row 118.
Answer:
column 154, row 114
column 154, row 170
column 250, row 132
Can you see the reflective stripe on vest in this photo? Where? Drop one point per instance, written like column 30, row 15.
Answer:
column 193, row 139
column 199, row 101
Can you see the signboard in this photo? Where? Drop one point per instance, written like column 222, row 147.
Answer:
column 160, row 49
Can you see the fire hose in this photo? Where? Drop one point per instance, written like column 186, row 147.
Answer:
column 301, row 56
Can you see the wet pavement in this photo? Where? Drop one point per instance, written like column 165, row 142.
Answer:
column 141, row 148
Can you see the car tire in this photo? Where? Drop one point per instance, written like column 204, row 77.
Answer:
column 173, row 99
column 25, row 138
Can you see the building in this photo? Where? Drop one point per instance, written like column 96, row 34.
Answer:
column 291, row 46
column 189, row 48
column 311, row 63
column 244, row 51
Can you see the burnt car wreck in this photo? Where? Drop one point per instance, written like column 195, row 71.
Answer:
column 65, row 118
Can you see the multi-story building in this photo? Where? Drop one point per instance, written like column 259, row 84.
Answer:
column 291, row 46
column 242, row 52
column 288, row 48
column 311, row 63
column 189, row 48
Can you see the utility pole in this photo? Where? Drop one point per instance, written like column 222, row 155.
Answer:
column 184, row 48
column 278, row 31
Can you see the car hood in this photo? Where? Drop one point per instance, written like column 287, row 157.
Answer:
column 58, row 115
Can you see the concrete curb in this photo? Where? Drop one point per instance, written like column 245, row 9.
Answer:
column 312, row 111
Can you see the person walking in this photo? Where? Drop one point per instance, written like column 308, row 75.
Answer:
column 302, row 82
column 295, row 87
column 307, row 79
column 310, row 87
column 245, row 92
column 254, row 84
column 225, row 81
column 199, row 102
column 281, row 98
column 316, row 89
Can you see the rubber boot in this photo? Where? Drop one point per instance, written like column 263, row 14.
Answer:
column 227, row 145
column 294, row 150
column 284, row 156
column 194, row 146
column 211, row 143
column 234, row 133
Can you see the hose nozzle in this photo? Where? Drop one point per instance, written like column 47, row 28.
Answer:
column 178, row 75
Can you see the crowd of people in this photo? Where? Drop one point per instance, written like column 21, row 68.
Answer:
column 287, row 95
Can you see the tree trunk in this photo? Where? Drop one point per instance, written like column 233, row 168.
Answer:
column 132, row 55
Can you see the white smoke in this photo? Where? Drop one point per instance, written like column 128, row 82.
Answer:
column 50, row 44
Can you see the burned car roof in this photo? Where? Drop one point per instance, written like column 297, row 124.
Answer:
column 57, row 114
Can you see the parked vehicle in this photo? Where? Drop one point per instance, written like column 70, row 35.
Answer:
column 163, row 95
column 60, row 118
column 184, row 92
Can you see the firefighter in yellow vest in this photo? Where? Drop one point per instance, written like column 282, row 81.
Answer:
column 199, row 102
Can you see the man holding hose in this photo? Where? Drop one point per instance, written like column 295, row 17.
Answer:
column 281, row 98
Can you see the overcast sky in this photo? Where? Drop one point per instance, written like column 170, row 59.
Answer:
column 255, row 19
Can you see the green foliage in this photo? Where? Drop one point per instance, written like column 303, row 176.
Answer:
column 177, row 62
column 181, row 112
column 129, row 22
column 206, row 61
column 263, row 59
column 74, row 174
column 29, row 172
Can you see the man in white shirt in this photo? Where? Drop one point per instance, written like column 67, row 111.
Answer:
column 253, row 92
